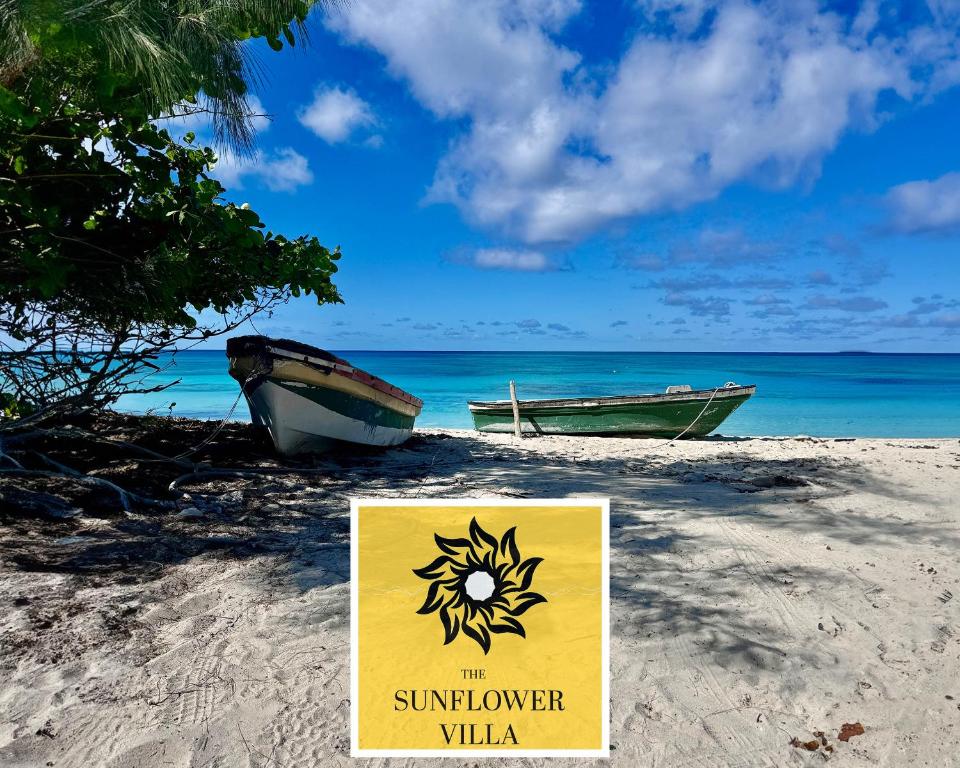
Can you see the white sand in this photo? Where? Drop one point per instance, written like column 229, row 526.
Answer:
column 762, row 590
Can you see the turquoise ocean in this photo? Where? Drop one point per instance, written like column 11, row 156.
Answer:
column 829, row 395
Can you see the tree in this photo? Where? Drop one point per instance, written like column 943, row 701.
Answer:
column 114, row 240
column 158, row 54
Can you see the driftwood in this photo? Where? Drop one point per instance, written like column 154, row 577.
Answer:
column 145, row 477
column 42, row 454
column 38, row 454
column 125, row 496
column 92, row 436
column 208, row 473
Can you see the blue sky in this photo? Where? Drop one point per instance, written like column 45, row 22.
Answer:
column 648, row 175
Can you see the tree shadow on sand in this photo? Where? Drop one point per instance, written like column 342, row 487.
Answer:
column 304, row 520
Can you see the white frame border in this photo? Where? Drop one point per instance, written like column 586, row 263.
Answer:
column 604, row 504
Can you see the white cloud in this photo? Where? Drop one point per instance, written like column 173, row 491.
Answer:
column 554, row 150
column 926, row 206
column 946, row 321
column 464, row 58
column 711, row 246
column 849, row 304
column 282, row 170
column 335, row 113
column 510, row 259
column 723, row 247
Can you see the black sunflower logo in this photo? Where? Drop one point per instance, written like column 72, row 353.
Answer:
column 480, row 585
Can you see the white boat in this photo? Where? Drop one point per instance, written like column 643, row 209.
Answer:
column 310, row 400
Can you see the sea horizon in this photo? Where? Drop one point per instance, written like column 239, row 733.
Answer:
column 828, row 394
column 850, row 352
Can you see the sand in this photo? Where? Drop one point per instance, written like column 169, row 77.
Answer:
column 763, row 590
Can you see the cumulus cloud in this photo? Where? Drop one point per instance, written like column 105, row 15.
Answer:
column 840, row 244
column 711, row 306
column 510, row 259
column 850, row 268
column 710, row 281
column 709, row 94
column 722, row 248
column 709, row 247
column 866, row 273
column 280, row 170
column 946, row 320
column 766, row 300
column 697, row 282
column 717, row 259
column 336, row 113
column 774, row 310
column 923, row 305
column 926, row 206
column 951, row 320
column 847, row 304
column 820, row 277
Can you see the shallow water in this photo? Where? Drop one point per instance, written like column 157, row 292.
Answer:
column 839, row 395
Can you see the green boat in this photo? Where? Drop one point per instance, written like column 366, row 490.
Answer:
column 679, row 412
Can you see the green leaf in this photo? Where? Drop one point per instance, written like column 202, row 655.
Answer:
column 137, row 240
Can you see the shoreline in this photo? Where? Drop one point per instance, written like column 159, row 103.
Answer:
column 762, row 590
column 468, row 431
column 811, row 394
column 711, row 438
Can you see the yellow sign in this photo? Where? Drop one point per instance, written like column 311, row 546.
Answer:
column 479, row 627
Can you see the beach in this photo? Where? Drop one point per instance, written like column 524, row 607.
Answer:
column 674, row 284
column 764, row 593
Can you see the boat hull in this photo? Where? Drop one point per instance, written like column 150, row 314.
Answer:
column 303, row 419
column 665, row 416
column 310, row 401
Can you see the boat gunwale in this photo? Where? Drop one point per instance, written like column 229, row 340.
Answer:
column 339, row 366
column 343, row 368
column 719, row 393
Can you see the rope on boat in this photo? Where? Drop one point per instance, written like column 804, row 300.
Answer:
column 253, row 374
column 213, row 434
column 692, row 423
